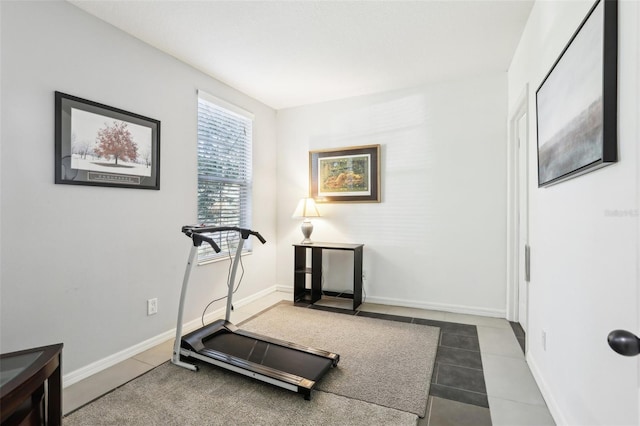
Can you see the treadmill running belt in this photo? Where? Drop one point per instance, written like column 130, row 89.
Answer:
column 289, row 360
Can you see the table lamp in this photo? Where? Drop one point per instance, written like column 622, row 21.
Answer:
column 306, row 209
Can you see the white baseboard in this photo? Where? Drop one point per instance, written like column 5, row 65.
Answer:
column 552, row 405
column 459, row 309
column 256, row 296
column 104, row 363
column 285, row 288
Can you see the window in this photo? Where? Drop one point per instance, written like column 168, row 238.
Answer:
column 224, row 172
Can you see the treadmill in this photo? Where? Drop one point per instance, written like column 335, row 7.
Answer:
column 287, row 365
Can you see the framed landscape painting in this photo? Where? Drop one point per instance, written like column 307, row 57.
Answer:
column 576, row 104
column 99, row 145
column 349, row 174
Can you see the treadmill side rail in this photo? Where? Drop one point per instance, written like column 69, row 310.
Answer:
column 278, row 378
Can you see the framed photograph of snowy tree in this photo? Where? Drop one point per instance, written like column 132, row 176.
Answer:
column 100, row 145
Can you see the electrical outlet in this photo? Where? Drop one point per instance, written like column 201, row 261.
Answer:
column 152, row 306
column 544, row 340
column 364, row 275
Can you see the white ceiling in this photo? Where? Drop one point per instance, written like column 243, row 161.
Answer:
column 291, row 53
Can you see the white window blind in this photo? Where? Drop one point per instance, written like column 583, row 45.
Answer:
column 224, row 172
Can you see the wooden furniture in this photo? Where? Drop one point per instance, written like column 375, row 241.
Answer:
column 301, row 270
column 31, row 386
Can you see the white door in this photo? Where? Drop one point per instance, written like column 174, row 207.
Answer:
column 523, row 219
column 626, row 373
column 627, row 341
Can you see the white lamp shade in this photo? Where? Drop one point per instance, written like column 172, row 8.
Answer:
column 306, row 208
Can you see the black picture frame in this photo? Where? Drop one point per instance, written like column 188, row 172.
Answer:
column 576, row 103
column 98, row 145
column 350, row 174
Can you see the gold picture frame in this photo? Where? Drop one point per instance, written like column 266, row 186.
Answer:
column 350, row 174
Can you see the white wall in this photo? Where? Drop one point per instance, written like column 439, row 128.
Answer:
column 437, row 239
column 78, row 263
column 583, row 264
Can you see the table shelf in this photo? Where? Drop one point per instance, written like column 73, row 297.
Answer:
column 301, row 270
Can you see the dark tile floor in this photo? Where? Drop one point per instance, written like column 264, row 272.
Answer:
column 458, row 372
column 445, row 412
column 519, row 332
column 457, row 394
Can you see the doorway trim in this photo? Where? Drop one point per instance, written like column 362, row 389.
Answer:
column 521, row 108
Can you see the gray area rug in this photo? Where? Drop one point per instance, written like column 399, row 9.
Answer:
column 383, row 378
column 170, row 395
column 387, row 363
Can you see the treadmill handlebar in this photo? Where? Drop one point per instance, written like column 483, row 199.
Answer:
column 198, row 239
column 258, row 236
column 195, row 232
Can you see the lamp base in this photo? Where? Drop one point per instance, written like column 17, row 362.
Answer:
column 307, row 229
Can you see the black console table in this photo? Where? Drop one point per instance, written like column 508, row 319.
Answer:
column 300, row 292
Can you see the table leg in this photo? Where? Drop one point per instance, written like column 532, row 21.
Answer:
column 357, row 278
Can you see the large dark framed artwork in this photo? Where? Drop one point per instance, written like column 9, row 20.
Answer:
column 576, row 104
column 99, row 145
column 349, row 174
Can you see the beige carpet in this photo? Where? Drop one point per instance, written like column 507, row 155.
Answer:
column 383, row 362
column 170, row 395
column 383, row 378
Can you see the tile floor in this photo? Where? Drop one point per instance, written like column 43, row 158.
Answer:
column 457, row 374
column 512, row 395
